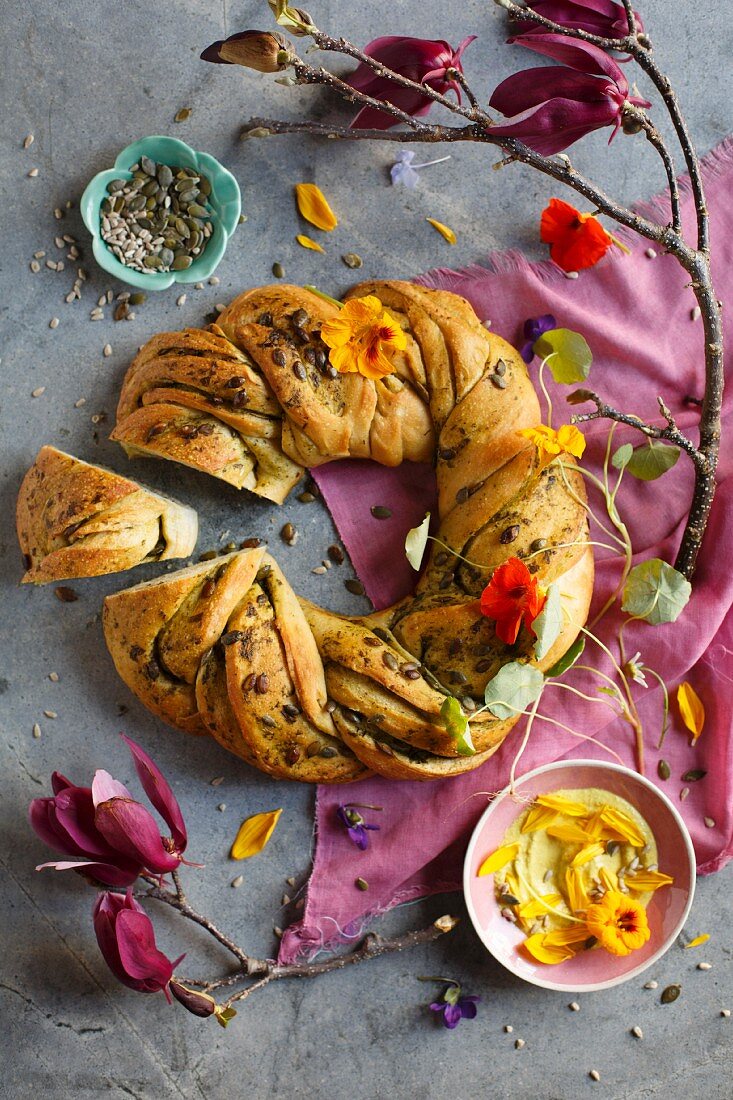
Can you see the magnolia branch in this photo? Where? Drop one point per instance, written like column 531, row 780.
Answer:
column 671, row 433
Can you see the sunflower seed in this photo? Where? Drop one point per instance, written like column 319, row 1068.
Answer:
column 508, row 1029
column 35, row 266
column 352, row 259
column 637, row 1032
column 237, row 881
column 695, row 312
column 319, row 570
column 33, row 173
column 38, row 392
column 519, row 1043
column 50, row 714
column 181, row 300
column 725, row 1012
column 651, row 254
column 107, row 351
column 704, row 966
column 709, row 822
column 684, row 793
column 36, row 730
column 651, row 985
column 28, row 141
column 574, row 1006
column 53, row 677
column 571, row 274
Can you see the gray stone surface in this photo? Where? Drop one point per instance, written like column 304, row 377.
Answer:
column 85, row 79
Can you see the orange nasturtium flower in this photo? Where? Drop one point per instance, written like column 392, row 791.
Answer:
column 576, row 240
column 618, row 922
column 512, row 596
column 550, row 443
column 362, row 337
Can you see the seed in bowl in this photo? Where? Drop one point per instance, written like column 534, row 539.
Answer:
column 160, row 219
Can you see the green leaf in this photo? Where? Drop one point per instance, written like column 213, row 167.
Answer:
column 456, row 724
column 416, row 541
column 656, row 592
column 622, row 457
column 568, row 659
column 224, row 1015
column 652, row 460
column 569, row 357
column 512, row 689
column 548, row 623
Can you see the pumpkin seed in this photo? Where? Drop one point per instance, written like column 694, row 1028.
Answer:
column 361, row 884
column 693, row 775
column 671, row 993
column 663, row 770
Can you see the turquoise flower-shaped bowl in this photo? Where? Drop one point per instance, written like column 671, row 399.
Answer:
column 225, row 201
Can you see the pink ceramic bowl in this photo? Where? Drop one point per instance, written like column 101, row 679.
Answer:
column 667, row 910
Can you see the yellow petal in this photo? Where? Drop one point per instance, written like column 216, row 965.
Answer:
column 537, row 907
column 562, row 805
column 444, row 230
column 594, row 826
column 254, row 834
column 692, row 711
column 618, row 823
column 571, row 440
column 313, row 206
column 643, row 881
column 698, row 940
column 578, row 900
column 539, row 817
column 563, row 937
column 571, row 832
column 498, row 859
column 609, row 878
column 544, row 952
column 308, row 242
column 585, row 855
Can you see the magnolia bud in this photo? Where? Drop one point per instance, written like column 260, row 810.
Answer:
column 200, row 1004
column 263, row 51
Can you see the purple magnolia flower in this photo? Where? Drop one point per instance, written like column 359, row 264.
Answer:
column 534, row 327
column 127, row 941
column 454, row 1007
column 605, row 18
column 405, row 172
column 355, row 824
column 423, row 60
column 551, row 107
column 105, row 831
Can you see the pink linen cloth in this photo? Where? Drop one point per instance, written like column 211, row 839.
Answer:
column 638, row 318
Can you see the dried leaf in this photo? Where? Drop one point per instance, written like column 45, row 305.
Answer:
column 498, row 859
column 444, row 230
column 254, row 834
column 313, row 206
column 308, row 242
column 698, row 940
column 692, row 711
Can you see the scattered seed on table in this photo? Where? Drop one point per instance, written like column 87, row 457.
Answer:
column 289, row 534
column 221, row 807
column 183, row 116
column 66, row 594
column 78, row 404
column 53, row 677
column 519, row 1043
column 704, row 966
column 198, row 286
column 594, row 1075
column 217, row 781
column 725, row 1012
column 39, row 254
column 574, row 1006
column 637, row 1032
column 336, row 554
column 651, row 253
column 290, row 881
column 671, row 993
column 663, row 770
column 38, row 392
column 319, row 570
column 181, row 300
column 214, row 280
column 51, row 264
column 709, row 822
column 50, row 713
column 695, row 313
column 278, row 931
column 508, row 1029
column 237, row 881
column 285, row 899
column 59, row 242
column 571, row 274
column 361, row 884
column 36, row 730
column 53, row 323
column 684, row 793
column 60, row 265
column 379, row 511
column 107, row 351
column 35, row 266
column 352, row 259
column 355, row 587
column 33, row 173
column 70, row 297
column 651, row 985
column 28, row 141
column 278, row 271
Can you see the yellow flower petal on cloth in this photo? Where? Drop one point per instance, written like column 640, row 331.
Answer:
column 254, row 834
column 692, row 711
column 498, row 859
column 620, row 827
column 537, row 947
column 586, row 854
column 313, row 206
column 698, row 941
column 539, row 817
column 643, row 881
column 562, row 805
column 308, row 242
column 537, row 907
column 445, row 231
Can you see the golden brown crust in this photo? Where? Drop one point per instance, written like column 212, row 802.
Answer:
column 75, row 519
column 298, row 691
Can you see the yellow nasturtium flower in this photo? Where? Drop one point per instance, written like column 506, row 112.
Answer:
column 550, row 443
column 363, row 337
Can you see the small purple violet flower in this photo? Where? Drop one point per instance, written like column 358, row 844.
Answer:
column 453, row 1006
column 405, row 172
column 535, row 327
column 355, row 825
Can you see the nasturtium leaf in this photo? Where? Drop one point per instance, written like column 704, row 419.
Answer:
column 568, row 355
column 512, row 689
column 622, row 457
column 254, row 834
column 651, row 460
column 548, row 624
column 656, row 592
column 416, row 541
column 456, row 724
column 568, row 659
column 692, row 710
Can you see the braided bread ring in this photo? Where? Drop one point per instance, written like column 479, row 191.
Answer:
column 293, row 689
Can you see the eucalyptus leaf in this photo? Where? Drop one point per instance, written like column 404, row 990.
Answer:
column 656, row 592
column 622, row 457
column 416, row 541
column 548, row 624
column 568, row 659
column 653, row 459
column 569, row 357
column 456, row 723
column 512, row 689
